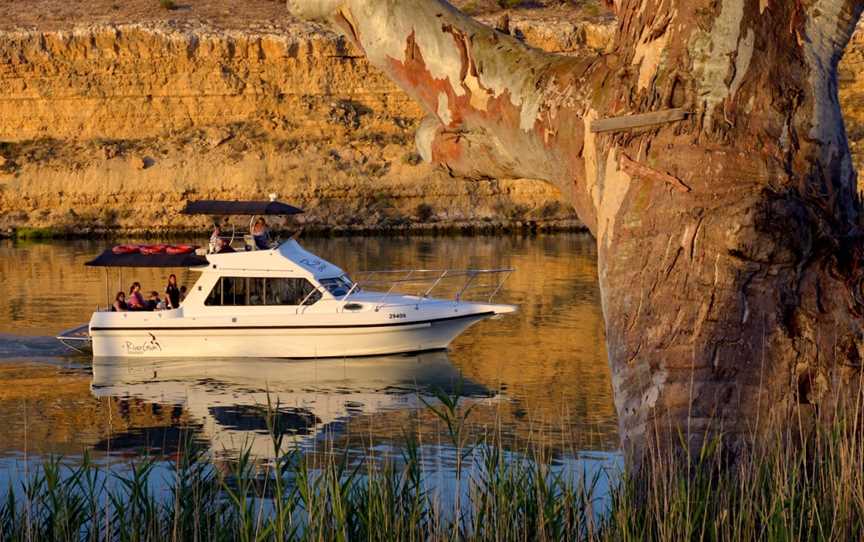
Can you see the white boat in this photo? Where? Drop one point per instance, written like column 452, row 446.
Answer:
column 285, row 302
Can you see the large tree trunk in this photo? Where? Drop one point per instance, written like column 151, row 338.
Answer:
column 729, row 242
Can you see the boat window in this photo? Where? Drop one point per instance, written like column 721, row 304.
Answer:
column 246, row 291
column 339, row 286
column 215, row 295
column 257, row 291
column 229, row 291
column 291, row 292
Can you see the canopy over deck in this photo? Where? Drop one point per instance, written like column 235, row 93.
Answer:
column 109, row 259
column 248, row 208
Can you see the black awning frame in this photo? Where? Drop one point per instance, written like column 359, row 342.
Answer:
column 240, row 208
column 109, row 259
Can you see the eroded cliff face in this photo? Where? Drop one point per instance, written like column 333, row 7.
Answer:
column 115, row 126
column 851, row 79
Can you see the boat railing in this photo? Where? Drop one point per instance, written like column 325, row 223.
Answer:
column 303, row 306
column 422, row 283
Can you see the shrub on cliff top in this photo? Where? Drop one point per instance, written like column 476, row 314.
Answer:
column 168, row 4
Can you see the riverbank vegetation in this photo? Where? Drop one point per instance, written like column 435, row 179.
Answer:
column 796, row 489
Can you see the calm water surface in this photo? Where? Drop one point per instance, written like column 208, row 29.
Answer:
column 539, row 379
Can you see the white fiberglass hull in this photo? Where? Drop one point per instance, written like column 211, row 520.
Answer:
column 281, row 341
column 288, row 303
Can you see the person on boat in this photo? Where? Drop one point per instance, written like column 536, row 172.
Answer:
column 216, row 238
column 261, row 233
column 120, row 303
column 182, row 294
column 172, row 292
column 154, row 302
column 222, row 246
column 136, row 298
column 161, row 304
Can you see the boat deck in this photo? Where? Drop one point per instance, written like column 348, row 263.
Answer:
column 78, row 339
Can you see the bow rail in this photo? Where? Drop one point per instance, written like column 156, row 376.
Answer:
column 423, row 282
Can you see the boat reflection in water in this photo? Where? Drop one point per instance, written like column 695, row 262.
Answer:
column 228, row 398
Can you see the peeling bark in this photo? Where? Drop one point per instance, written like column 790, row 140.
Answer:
column 729, row 243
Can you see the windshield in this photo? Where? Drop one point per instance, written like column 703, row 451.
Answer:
column 338, row 287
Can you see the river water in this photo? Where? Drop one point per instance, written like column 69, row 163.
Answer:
column 538, row 379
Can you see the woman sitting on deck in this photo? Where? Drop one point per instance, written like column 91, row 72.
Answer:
column 120, row 303
column 136, row 299
column 215, row 239
column 261, row 234
column 155, row 303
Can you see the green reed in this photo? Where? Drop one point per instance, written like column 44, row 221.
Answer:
column 810, row 490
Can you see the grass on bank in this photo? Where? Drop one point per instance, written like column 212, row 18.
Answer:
column 810, row 492
column 37, row 233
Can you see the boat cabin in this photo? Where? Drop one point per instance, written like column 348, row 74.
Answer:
column 287, row 275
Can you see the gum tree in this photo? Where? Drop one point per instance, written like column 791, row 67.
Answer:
column 726, row 211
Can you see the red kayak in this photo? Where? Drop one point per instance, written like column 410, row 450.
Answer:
column 126, row 249
column 149, row 250
column 180, row 249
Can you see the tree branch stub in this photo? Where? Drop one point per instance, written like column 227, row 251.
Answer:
column 643, row 120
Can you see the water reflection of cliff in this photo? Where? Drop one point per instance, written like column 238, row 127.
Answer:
column 48, row 408
column 45, row 287
column 548, row 361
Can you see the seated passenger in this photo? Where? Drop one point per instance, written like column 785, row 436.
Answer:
column 261, row 233
column 222, row 247
column 136, row 299
column 215, row 238
column 153, row 302
column 120, row 303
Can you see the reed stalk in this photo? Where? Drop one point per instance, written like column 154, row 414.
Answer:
column 812, row 490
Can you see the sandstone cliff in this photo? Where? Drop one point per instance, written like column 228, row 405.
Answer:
column 114, row 126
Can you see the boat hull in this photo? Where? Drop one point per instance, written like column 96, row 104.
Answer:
column 280, row 341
